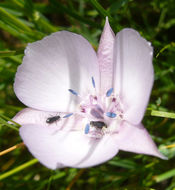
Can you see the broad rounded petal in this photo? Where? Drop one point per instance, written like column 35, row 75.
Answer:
column 51, row 66
column 136, row 139
column 29, row 116
column 105, row 57
column 133, row 73
column 33, row 116
column 70, row 148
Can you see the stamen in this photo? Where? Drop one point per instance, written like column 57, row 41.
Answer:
column 86, row 131
column 111, row 114
column 68, row 115
column 73, row 92
column 109, row 92
column 93, row 82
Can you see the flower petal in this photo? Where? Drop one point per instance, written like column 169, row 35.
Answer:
column 33, row 116
column 51, row 66
column 136, row 139
column 69, row 148
column 133, row 73
column 105, row 57
column 28, row 117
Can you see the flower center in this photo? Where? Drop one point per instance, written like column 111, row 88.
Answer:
column 101, row 113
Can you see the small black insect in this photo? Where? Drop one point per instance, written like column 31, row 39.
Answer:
column 98, row 124
column 53, row 119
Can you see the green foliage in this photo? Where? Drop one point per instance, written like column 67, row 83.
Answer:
column 24, row 21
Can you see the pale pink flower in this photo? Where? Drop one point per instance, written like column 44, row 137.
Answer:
column 85, row 106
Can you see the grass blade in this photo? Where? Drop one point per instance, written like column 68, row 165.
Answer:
column 100, row 9
column 12, row 20
column 18, row 169
column 165, row 175
column 9, row 53
column 161, row 114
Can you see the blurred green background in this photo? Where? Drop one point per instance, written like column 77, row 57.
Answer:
column 24, row 21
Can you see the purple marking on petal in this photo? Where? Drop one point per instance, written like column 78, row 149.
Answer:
column 73, row 92
column 99, row 109
column 111, row 114
column 113, row 99
column 86, row 131
column 109, row 92
column 83, row 110
column 96, row 114
column 68, row 115
column 93, row 82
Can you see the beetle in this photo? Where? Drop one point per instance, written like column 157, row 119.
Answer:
column 98, row 124
column 53, row 119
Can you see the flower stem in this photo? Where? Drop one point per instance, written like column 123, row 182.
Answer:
column 170, row 146
column 75, row 179
column 11, row 149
